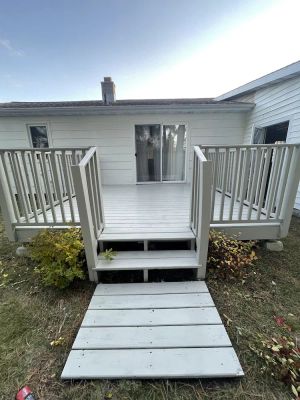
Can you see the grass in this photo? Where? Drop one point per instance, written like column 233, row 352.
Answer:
column 32, row 316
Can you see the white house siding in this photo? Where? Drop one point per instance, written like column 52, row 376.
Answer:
column 274, row 104
column 114, row 135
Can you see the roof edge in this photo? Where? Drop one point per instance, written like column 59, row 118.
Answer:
column 287, row 72
column 111, row 110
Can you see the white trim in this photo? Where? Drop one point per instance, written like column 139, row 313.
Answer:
column 127, row 110
column 161, row 124
column 34, row 124
column 288, row 72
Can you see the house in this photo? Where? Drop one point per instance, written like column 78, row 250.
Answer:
column 276, row 115
column 151, row 172
column 140, row 170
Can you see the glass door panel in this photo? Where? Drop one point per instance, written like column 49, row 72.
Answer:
column 148, row 153
column 173, row 152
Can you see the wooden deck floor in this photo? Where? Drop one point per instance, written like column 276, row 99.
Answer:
column 148, row 209
column 152, row 330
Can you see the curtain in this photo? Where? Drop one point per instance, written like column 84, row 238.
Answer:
column 148, row 145
column 259, row 135
column 173, row 152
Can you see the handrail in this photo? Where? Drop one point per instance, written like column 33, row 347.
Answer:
column 253, row 183
column 44, row 149
column 37, row 185
column 200, row 206
column 89, row 154
column 87, row 183
column 227, row 146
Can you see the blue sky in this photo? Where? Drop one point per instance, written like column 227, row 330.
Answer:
column 60, row 50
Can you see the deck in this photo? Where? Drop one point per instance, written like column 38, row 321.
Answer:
column 152, row 330
column 148, row 208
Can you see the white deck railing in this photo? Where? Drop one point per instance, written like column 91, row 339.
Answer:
column 253, row 183
column 87, row 183
column 37, row 186
column 201, row 206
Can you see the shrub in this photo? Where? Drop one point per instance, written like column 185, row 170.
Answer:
column 281, row 357
column 59, row 256
column 227, row 256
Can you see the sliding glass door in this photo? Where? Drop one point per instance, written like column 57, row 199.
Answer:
column 160, row 153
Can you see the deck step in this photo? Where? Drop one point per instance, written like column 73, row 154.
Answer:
column 154, row 234
column 144, row 260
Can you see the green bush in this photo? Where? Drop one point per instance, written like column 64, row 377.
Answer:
column 228, row 257
column 59, row 255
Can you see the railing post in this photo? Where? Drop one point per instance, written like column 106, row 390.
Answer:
column 86, row 222
column 99, row 187
column 6, row 206
column 290, row 192
column 205, row 192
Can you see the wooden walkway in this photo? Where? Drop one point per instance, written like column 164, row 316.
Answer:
column 152, row 330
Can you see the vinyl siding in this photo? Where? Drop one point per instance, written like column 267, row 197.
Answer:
column 274, row 104
column 114, row 136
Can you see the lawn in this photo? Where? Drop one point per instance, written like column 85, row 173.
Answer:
column 31, row 317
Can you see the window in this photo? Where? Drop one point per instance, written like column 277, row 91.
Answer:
column 38, row 136
column 160, row 153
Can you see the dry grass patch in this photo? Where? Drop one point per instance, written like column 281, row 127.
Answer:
column 32, row 316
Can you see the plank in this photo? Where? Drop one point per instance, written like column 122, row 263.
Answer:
column 151, row 337
column 151, row 301
column 151, row 288
column 153, row 254
column 175, row 316
column 157, row 363
column 119, row 237
column 146, row 263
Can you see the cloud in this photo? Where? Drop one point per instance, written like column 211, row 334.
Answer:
column 8, row 46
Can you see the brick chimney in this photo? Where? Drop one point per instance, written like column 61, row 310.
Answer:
column 108, row 90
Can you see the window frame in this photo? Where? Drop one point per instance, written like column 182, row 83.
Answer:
column 187, row 152
column 35, row 124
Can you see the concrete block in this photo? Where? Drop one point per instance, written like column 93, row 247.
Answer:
column 22, row 251
column 274, row 245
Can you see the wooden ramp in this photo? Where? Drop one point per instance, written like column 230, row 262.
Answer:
column 152, row 330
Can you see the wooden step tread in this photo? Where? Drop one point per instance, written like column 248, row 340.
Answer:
column 118, row 236
column 141, row 260
column 151, row 301
column 110, row 289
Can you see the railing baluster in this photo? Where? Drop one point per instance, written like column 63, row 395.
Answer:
column 282, row 186
column 37, row 174
column 18, row 187
column 10, row 185
column 273, row 180
column 234, row 183
column 53, row 162
column 244, row 185
column 224, row 181
column 215, row 176
column 47, row 185
column 253, row 180
column 68, row 184
column 33, row 205
column 264, row 182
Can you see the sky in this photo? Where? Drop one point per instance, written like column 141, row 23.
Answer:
column 61, row 49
